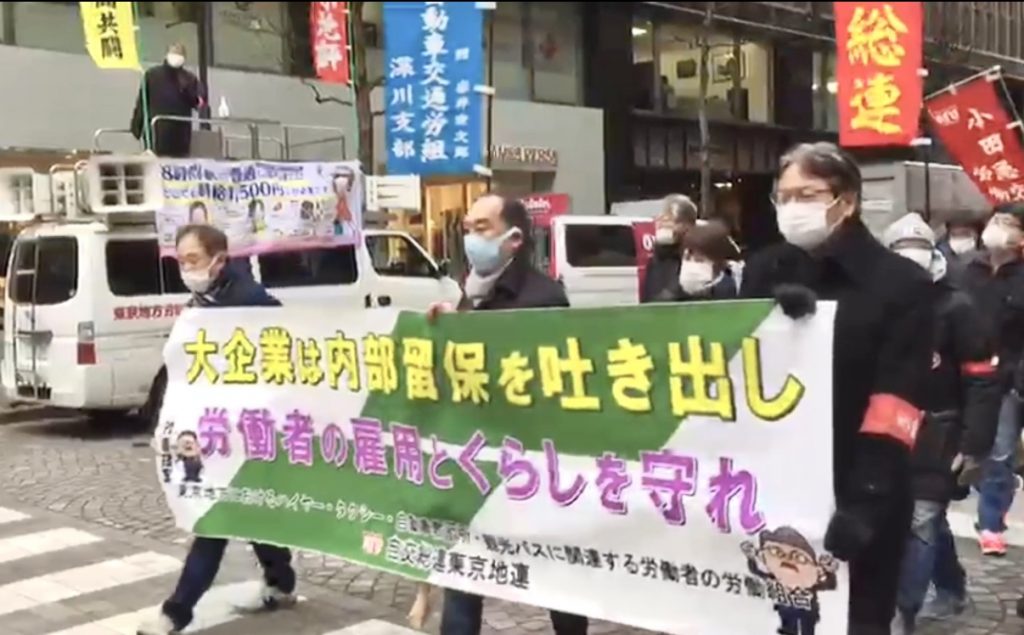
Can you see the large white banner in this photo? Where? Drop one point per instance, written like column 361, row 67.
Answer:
column 668, row 467
column 263, row 206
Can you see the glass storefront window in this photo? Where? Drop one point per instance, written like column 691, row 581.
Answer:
column 825, row 87
column 677, row 48
column 251, row 36
column 57, row 26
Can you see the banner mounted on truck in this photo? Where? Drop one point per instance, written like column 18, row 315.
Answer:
column 668, row 467
column 263, row 206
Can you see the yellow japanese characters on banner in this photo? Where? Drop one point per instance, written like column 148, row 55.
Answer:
column 110, row 34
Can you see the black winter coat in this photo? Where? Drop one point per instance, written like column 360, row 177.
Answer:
column 964, row 396
column 999, row 297
column 170, row 91
column 881, row 356
column 522, row 286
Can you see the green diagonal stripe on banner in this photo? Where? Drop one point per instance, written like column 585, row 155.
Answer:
column 589, row 433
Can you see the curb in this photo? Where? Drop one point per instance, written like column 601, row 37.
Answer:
column 22, row 413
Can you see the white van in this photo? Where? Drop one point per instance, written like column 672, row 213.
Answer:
column 600, row 260
column 90, row 305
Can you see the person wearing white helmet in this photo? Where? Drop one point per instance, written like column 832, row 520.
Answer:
column 963, row 399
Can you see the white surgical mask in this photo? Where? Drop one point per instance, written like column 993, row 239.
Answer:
column 175, row 60
column 962, row 244
column 995, row 237
column 664, row 236
column 197, row 281
column 695, row 276
column 920, row 255
column 804, row 224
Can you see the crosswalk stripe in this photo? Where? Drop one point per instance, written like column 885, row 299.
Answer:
column 375, row 627
column 215, row 608
column 40, row 542
column 11, row 516
column 70, row 583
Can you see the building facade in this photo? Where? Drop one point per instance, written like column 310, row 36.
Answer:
column 771, row 84
column 259, row 62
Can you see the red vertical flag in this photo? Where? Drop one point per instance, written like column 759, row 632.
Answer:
column 878, row 59
column 328, row 22
column 975, row 129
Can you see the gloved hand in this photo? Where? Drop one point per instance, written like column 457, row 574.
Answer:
column 849, row 532
column 796, row 300
column 968, row 472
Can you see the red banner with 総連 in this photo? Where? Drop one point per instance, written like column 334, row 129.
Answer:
column 974, row 127
column 878, row 63
column 328, row 23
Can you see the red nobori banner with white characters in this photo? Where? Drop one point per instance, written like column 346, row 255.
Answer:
column 878, row 59
column 974, row 127
column 328, row 22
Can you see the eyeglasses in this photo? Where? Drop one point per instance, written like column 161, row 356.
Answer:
column 798, row 196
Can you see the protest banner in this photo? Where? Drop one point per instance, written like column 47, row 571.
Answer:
column 263, row 206
column 668, row 467
column 328, row 23
column 879, row 57
column 976, row 130
column 110, row 34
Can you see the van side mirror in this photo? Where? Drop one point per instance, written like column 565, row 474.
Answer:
column 443, row 268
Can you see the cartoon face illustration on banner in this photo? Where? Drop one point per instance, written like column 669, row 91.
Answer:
column 794, row 573
column 258, row 216
column 190, row 456
column 198, row 214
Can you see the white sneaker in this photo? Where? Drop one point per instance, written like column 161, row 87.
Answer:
column 161, row 625
column 270, row 599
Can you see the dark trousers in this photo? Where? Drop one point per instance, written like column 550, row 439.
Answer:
column 796, row 621
column 202, row 564
column 463, row 614
column 875, row 574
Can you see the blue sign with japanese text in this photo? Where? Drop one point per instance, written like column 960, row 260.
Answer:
column 434, row 54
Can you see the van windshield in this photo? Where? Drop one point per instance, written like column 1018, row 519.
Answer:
column 56, row 278
column 600, row 246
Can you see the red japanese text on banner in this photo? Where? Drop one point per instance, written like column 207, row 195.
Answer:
column 878, row 59
column 328, row 23
column 976, row 130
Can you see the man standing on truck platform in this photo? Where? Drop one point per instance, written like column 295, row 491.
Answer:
column 203, row 258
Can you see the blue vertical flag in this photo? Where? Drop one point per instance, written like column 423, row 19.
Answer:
column 435, row 60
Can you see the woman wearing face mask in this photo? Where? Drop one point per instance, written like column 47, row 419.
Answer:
column 171, row 91
column 704, row 272
column 661, row 279
column 881, row 358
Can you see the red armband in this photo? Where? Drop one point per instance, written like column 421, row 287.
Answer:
column 891, row 416
column 978, row 368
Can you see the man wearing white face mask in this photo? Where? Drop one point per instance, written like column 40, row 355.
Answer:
column 678, row 217
column 995, row 281
column 170, row 90
column 498, row 242
column 214, row 282
column 881, row 355
column 960, row 243
column 959, row 427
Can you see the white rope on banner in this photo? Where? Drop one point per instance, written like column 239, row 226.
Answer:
column 991, row 74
